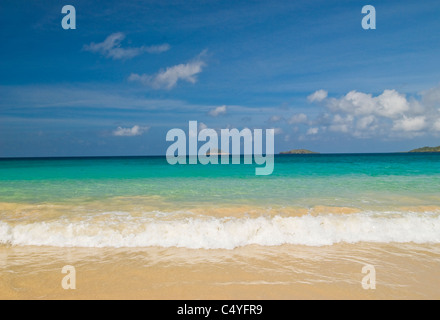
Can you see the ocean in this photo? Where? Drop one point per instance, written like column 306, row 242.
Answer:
column 138, row 227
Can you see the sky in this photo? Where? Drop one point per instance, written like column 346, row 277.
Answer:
column 132, row 71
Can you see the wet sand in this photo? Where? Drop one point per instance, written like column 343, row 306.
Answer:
column 403, row 271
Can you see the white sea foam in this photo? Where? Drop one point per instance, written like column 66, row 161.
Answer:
column 227, row 233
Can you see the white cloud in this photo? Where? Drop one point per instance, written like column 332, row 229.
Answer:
column 410, row 124
column 388, row 114
column 341, row 124
column 390, row 104
column 111, row 48
column 218, row 111
column 436, row 125
column 365, row 123
column 278, row 131
column 275, row 119
column 318, row 96
column 130, row 132
column 312, row 131
column 298, row 118
column 168, row 78
column 202, row 126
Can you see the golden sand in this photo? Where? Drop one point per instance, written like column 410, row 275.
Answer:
column 403, row 271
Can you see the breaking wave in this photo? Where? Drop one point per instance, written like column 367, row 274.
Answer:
column 226, row 233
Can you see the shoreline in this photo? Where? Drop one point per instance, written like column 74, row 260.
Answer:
column 404, row 271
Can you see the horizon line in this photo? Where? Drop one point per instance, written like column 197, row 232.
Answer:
column 163, row 156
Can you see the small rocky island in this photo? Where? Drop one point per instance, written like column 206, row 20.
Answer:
column 299, row 151
column 216, row 152
column 426, row 149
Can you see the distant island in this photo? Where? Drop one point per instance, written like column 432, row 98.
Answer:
column 426, row 149
column 299, row 151
column 216, row 152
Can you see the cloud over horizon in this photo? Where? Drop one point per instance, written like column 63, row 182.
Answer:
column 130, row 132
column 390, row 113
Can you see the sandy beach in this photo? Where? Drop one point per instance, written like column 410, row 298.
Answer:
column 403, row 271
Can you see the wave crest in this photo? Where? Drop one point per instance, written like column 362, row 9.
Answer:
column 227, row 233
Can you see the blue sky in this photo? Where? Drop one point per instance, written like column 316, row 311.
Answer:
column 131, row 71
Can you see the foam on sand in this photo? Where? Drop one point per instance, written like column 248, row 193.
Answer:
column 125, row 230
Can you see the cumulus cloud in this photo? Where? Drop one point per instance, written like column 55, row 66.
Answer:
column 298, row 118
column 410, row 124
column 317, row 96
column 275, row 119
column 111, row 48
column 389, row 113
column 390, row 104
column 218, row 111
column 130, row 132
column 341, row 124
column 365, row 122
column 436, row 125
column 168, row 78
column 312, row 131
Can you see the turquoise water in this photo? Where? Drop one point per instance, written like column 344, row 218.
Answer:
column 357, row 180
column 139, row 202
